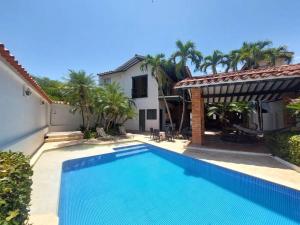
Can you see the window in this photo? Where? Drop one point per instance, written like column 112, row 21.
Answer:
column 151, row 114
column 139, row 86
column 104, row 81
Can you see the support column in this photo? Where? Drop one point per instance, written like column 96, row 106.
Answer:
column 197, row 116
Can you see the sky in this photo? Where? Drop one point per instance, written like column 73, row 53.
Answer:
column 49, row 37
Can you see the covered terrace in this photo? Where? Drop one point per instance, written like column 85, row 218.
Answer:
column 261, row 85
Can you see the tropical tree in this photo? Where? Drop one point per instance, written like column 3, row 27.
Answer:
column 231, row 61
column 273, row 54
column 112, row 106
column 222, row 110
column 156, row 64
column 294, row 106
column 80, row 95
column 212, row 61
column 53, row 88
column 186, row 52
column 252, row 53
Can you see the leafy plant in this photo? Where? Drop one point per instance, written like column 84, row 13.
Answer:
column 212, row 61
column 186, row 52
column 156, row 64
column 222, row 109
column 285, row 145
column 79, row 93
column 112, row 106
column 53, row 88
column 15, row 188
column 294, row 106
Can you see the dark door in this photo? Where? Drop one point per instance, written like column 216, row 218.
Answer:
column 142, row 119
column 161, row 119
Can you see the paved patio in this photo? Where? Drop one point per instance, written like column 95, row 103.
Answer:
column 47, row 169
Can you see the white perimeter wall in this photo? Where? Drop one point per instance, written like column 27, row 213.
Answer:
column 62, row 119
column 23, row 119
column 272, row 120
column 151, row 102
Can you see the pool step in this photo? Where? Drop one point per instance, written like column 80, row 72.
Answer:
column 132, row 147
column 63, row 136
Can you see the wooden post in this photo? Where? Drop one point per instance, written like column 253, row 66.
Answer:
column 197, row 116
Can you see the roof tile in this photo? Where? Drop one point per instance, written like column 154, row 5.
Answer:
column 254, row 74
column 22, row 72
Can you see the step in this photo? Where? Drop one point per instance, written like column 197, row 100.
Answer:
column 63, row 136
column 132, row 147
column 62, row 139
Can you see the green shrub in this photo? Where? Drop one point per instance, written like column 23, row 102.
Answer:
column 294, row 144
column 285, row 145
column 89, row 134
column 15, row 188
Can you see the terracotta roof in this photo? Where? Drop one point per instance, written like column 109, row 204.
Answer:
column 21, row 71
column 241, row 76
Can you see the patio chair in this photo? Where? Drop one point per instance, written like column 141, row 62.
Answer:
column 101, row 133
column 151, row 133
column 156, row 135
column 169, row 135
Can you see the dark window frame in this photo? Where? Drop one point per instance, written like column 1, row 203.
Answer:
column 136, row 92
column 151, row 114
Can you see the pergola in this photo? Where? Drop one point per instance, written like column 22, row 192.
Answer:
column 267, row 84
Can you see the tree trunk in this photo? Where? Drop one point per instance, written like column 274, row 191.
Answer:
column 183, row 112
column 167, row 107
column 83, row 120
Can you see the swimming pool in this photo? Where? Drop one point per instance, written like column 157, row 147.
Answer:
column 144, row 184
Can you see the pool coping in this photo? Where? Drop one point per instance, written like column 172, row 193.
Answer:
column 141, row 142
column 109, row 157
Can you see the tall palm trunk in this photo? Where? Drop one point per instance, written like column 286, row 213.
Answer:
column 167, row 106
column 183, row 111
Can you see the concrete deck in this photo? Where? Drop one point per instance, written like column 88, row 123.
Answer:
column 47, row 169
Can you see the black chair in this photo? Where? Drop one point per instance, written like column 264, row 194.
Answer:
column 156, row 135
column 169, row 134
column 151, row 133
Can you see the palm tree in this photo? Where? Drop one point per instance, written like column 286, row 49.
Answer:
column 231, row 60
column 222, row 109
column 79, row 94
column 185, row 52
column 273, row 54
column 252, row 53
column 212, row 61
column 112, row 106
column 157, row 63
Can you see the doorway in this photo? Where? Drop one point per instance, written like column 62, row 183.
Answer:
column 142, row 120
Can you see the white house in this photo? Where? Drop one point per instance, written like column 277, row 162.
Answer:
column 143, row 89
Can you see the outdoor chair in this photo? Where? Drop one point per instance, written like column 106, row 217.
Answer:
column 101, row 133
column 169, row 135
column 151, row 133
column 156, row 135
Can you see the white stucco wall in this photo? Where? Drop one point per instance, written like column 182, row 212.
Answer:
column 150, row 102
column 63, row 120
column 272, row 120
column 23, row 119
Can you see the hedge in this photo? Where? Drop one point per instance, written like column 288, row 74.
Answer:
column 285, row 145
column 15, row 188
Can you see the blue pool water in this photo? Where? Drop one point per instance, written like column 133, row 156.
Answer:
column 144, row 184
